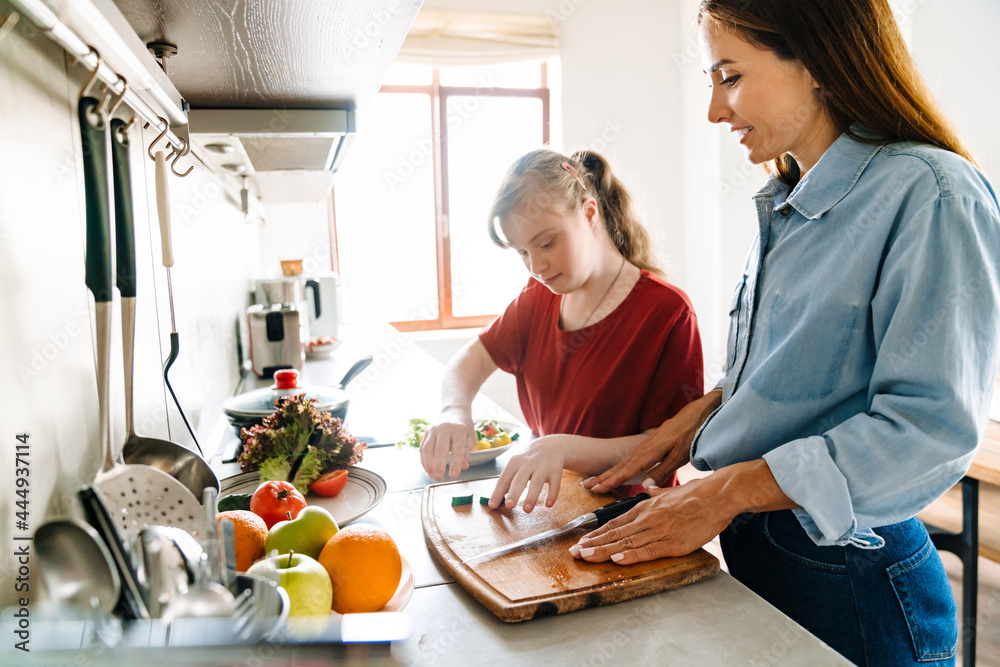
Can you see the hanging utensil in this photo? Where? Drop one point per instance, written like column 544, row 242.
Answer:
column 76, row 566
column 129, row 490
column 177, row 461
column 130, row 602
column 166, row 249
column 598, row 517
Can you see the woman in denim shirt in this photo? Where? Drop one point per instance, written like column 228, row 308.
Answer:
column 863, row 341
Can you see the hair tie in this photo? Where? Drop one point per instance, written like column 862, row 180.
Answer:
column 572, row 171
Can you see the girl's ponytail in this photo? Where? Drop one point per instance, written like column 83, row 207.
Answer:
column 623, row 225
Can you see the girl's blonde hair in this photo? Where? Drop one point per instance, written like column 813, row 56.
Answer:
column 855, row 51
column 545, row 179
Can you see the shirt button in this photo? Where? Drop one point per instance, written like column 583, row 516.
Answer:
column 785, row 210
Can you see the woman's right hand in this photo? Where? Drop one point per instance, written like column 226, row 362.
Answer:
column 664, row 451
column 453, row 432
column 540, row 464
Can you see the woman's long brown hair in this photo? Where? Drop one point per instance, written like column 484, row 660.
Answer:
column 855, row 51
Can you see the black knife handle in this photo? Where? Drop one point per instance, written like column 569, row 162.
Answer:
column 617, row 508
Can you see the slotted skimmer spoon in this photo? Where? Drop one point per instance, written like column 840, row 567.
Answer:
column 135, row 495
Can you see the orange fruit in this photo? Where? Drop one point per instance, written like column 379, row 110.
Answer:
column 364, row 567
column 250, row 532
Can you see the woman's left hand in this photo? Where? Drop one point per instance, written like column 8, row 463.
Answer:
column 673, row 522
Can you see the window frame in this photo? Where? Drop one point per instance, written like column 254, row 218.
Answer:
column 438, row 95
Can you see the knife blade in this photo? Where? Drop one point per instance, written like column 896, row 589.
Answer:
column 594, row 519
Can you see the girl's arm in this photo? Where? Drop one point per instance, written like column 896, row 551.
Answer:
column 453, row 430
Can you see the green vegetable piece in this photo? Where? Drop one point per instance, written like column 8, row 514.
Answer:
column 483, row 500
column 515, row 437
column 458, row 501
column 235, row 501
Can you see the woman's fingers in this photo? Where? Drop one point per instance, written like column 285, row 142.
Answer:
column 658, row 476
column 616, row 476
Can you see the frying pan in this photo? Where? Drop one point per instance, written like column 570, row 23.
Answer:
column 177, row 461
column 128, row 490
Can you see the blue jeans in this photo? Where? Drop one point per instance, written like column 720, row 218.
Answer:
column 888, row 606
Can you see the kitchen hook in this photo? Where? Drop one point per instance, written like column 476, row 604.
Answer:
column 93, row 75
column 182, row 153
column 110, row 101
column 123, row 132
column 118, row 100
column 166, row 128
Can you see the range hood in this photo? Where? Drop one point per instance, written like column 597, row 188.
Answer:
column 272, row 85
column 248, row 141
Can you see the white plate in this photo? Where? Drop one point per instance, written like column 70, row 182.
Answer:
column 486, row 455
column 403, row 592
column 363, row 491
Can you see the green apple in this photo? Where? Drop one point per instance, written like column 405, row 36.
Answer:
column 306, row 534
column 303, row 578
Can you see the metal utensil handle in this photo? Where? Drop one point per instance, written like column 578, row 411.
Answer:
column 125, row 273
column 97, row 259
column 124, row 224
column 163, row 209
column 95, row 175
column 617, row 508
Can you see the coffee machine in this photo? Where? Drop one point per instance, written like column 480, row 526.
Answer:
column 279, row 324
column 275, row 338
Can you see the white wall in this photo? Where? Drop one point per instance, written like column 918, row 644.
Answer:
column 47, row 361
column 295, row 230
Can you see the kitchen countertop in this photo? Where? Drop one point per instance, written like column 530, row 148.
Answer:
column 716, row 621
column 712, row 622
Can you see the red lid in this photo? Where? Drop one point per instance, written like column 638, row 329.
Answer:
column 287, row 378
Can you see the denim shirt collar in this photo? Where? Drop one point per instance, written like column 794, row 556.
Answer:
column 829, row 180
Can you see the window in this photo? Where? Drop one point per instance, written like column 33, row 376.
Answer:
column 411, row 201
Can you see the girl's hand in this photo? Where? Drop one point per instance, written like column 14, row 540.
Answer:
column 451, row 432
column 673, row 522
column 542, row 463
column 664, row 451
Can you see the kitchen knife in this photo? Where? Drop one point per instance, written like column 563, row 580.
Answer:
column 598, row 517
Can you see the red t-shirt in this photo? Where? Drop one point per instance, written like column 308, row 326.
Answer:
column 620, row 376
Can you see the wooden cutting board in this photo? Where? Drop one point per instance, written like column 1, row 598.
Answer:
column 541, row 579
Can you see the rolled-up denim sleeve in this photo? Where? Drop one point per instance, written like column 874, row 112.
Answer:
column 935, row 323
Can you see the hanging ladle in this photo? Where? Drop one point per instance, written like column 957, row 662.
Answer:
column 179, row 462
column 131, row 492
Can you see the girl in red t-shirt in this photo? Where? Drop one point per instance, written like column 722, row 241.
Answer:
column 601, row 346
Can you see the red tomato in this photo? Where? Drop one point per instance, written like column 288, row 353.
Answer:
column 330, row 484
column 273, row 501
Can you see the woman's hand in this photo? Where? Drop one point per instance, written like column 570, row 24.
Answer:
column 664, row 451
column 675, row 521
column 451, row 432
column 542, row 463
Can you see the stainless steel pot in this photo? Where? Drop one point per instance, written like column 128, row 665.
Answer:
column 250, row 408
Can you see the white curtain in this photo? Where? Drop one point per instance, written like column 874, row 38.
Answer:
column 441, row 37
